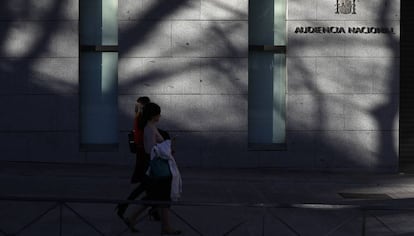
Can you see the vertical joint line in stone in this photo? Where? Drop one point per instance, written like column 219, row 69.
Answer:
column 337, row 7
column 353, row 7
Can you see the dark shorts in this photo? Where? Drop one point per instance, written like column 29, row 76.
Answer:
column 158, row 189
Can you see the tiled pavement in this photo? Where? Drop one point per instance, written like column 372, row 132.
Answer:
column 215, row 202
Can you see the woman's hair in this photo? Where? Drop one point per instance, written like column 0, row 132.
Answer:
column 150, row 110
column 141, row 101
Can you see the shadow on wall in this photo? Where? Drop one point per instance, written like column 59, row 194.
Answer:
column 350, row 101
column 197, row 72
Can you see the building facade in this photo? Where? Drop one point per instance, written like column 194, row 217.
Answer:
column 309, row 85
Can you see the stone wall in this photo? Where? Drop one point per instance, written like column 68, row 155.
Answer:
column 39, row 81
column 191, row 57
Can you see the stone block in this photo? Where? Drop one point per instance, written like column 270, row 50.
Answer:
column 223, row 112
column 301, row 74
column 301, row 112
column 14, row 76
column 357, row 75
column 40, row 10
column 64, row 42
column 359, row 112
column 14, row 147
column 34, row 39
column 148, row 38
column 315, row 112
column 385, row 150
column 53, row 76
column 224, row 10
column 185, row 10
column 331, row 112
column 130, row 74
column 344, row 150
column 371, row 112
column 130, row 10
column 302, row 10
column 188, row 146
column 224, row 76
column 15, row 117
column 358, row 145
column 159, row 76
column 224, row 39
column 182, row 112
column 186, row 38
column 174, row 9
column 386, row 75
column 303, row 142
column 71, row 9
column 379, row 10
column 67, row 113
column 20, row 37
column 54, row 147
column 343, row 75
column 29, row 113
column 331, row 76
column 42, row 110
column 362, row 72
column 226, row 150
column 66, row 147
column 171, row 75
column 358, row 150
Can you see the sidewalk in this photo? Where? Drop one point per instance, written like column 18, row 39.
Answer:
column 237, row 189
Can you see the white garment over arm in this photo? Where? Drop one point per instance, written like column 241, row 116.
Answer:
column 163, row 150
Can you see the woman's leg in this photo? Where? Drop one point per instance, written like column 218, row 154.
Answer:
column 165, row 218
column 132, row 219
column 165, row 222
column 134, row 194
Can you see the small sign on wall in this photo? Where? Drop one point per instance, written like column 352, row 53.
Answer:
column 345, row 7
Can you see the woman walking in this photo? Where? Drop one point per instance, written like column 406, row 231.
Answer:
column 159, row 188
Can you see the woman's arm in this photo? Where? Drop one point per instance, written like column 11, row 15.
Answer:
column 149, row 139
